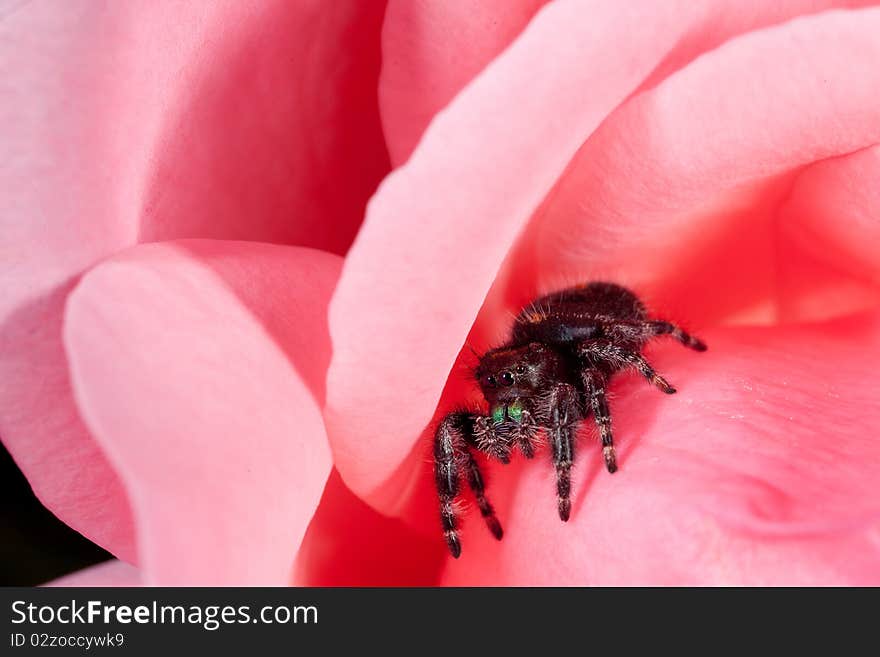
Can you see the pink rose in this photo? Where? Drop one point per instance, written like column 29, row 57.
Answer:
column 241, row 409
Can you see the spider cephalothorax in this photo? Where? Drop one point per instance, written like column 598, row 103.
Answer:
column 551, row 374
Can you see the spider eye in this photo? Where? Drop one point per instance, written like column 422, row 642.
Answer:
column 490, row 381
column 520, row 369
column 507, row 378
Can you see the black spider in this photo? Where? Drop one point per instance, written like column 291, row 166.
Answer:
column 549, row 376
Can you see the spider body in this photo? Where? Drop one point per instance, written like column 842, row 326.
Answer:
column 551, row 375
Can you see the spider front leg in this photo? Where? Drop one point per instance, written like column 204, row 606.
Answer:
column 644, row 330
column 594, row 384
column 661, row 327
column 451, row 456
column 475, row 481
column 605, row 352
column 564, row 416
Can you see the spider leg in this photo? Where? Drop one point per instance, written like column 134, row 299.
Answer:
column 475, row 481
column 446, row 449
column 605, row 351
column 651, row 328
column 661, row 327
column 564, row 416
column 451, row 456
column 594, row 384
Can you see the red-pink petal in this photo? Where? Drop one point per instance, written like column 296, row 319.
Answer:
column 350, row 544
column 273, row 133
column 199, row 367
column 680, row 187
column 42, row 429
column 760, row 470
column 430, row 50
column 830, row 225
column 719, row 20
column 110, row 573
column 134, row 121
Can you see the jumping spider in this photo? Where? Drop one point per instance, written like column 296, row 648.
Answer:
column 550, row 375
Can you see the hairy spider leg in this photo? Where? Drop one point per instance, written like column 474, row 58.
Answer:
column 475, row 481
column 642, row 331
column 661, row 327
column 564, row 416
column 605, row 351
column 447, row 480
column 450, row 451
column 594, row 385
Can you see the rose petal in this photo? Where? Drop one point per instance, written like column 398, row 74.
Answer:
column 761, row 470
column 199, row 366
column 274, row 134
column 131, row 121
column 456, row 207
column 720, row 20
column 110, row 573
column 350, row 544
column 229, row 120
column 42, row 429
column 430, row 51
column 830, row 226
column 58, row 215
column 681, row 186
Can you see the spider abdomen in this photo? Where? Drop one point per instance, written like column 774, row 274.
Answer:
column 576, row 314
